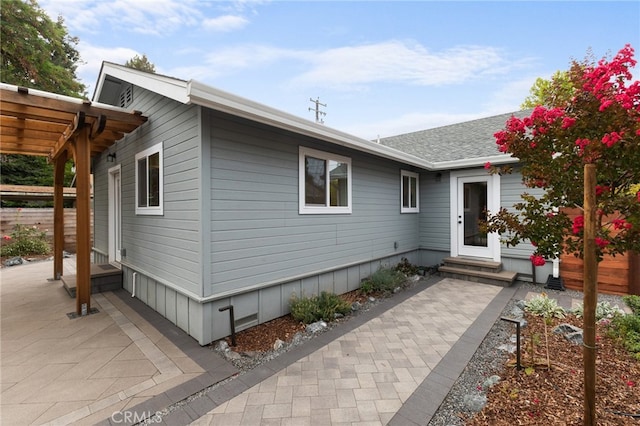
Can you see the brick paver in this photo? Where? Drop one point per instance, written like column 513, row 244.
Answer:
column 366, row 375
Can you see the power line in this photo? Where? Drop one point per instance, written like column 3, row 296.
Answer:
column 317, row 109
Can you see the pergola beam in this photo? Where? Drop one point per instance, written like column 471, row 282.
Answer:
column 77, row 124
column 33, row 122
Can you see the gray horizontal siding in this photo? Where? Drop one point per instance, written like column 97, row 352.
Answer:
column 257, row 234
column 435, row 216
column 166, row 246
column 511, row 188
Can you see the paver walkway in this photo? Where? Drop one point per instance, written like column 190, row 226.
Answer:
column 366, row 376
column 391, row 365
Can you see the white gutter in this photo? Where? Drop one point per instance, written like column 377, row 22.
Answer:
column 475, row 162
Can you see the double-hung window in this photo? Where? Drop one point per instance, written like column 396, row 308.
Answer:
column 324, row 182
column 409, row 190
column 149, row 187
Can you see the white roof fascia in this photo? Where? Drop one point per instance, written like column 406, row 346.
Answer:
column 475, row 162
column 58, row 97
column 172, row 88
column 219, row 100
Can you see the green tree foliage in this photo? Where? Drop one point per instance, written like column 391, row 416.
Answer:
column 550, row 92
column 599, row 124
column 140, row 63
column 37, row 52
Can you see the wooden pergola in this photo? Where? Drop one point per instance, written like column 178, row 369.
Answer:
column 34, row 122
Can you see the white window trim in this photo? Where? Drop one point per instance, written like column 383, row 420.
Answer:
column 155, row 210
column 304, row 209
column 409, row 174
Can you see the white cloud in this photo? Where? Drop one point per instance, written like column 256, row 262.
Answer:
column 250, row 56
column 225, row 23
column 510, row 96
column 404, row 62
column 156, row 17
column 352, row 67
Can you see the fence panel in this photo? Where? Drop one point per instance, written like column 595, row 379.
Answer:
column 42, row 218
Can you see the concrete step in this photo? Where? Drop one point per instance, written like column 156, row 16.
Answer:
column 472, row 264
column 502, row 278
column 104, row 277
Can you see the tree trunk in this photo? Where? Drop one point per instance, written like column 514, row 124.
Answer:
column 590, row 295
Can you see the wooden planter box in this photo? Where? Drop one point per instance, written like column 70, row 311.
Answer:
column 616, row 275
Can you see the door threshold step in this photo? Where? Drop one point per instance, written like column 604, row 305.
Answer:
column 104, row 277
column 502, row 278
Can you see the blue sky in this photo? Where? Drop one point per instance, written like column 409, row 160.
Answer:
column 382, row 68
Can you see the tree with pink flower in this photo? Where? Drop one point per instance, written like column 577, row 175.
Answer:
column 582, row 149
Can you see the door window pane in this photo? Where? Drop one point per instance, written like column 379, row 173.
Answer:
column 475, row 211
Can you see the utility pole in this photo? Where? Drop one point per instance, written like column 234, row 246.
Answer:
column 317, row 110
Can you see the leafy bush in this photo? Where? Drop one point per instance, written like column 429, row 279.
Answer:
column 633, row 302
column 316, row 308
column 603, row 310
column 383, row 280
column 627, row 329
column 542, row 305
column 406, row 267
column 24, row 241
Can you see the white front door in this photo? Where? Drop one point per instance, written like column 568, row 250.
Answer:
column 115, row 221
column 473, row 195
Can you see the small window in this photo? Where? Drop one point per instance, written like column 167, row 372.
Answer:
column 409, row 190
column 149, row 181
column 325, row 182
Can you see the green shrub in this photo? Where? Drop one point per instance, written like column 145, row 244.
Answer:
column 603, row 310
column 542, row 305
column 633, row 302
column 383, row 280
column 316, row 308
column 24, row 241
column 627, row 329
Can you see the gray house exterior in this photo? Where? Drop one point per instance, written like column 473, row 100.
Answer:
column 218, row 201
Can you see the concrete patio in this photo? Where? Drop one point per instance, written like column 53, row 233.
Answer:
column 56, row 370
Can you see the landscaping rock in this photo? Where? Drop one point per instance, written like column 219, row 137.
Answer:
column 316, row 327
column 566, row 328
column 14, row 261
column 572, row 333
column 355, row 306
column 221, row 346
column 507, row 347
column 475, row 402
column 279, row 344
column 575, row 338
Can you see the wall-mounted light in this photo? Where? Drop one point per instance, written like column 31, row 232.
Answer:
column 111, row 158
column 438, row 177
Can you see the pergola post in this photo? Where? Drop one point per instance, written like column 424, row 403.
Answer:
column 58, row 214
column 82, row 153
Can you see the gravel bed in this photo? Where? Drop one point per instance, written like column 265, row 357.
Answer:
column 488, row 360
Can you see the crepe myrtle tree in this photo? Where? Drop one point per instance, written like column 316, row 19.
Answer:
column 599, row 124
column 583, row 150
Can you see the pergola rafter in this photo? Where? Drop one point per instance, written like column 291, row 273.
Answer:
column 34, row 122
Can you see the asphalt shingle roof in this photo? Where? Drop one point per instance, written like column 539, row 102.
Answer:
column 468, row 140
